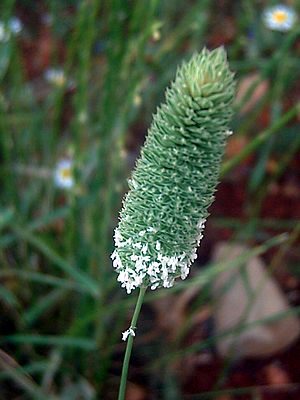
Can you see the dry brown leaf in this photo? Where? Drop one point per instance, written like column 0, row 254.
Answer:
column 252, row 296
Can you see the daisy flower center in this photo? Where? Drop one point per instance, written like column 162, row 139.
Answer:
column 65, row 173
column 280, row 17
column 59, row 80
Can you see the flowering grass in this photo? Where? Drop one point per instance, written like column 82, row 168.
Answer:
column 175, row 179
column 63, row 310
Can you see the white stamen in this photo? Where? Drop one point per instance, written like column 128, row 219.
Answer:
column 128, row 332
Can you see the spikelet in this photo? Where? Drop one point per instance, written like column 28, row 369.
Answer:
column 175, row 178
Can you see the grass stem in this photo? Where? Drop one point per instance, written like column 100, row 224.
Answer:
column 122, row 390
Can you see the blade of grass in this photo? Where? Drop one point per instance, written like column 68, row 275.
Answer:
column 42, row 222
column 33, row 368
column 259, row 140
column 43, row 305
column 22, row 379
column 50, row 253
column 8, row 297
column 214, row 339
column 48, row 340
column 44, row 279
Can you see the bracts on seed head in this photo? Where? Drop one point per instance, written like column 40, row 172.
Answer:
column 175, row 178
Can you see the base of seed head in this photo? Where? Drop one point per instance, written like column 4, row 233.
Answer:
column 151, row 266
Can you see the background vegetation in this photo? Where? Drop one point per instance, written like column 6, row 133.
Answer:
column 62, row 311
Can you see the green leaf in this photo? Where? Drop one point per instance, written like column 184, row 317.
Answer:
column 43, row 305
column 6, row 216
column 44, row 340
column 8, row 297
column 79, row 276
column 44, row 279
column 5, row 54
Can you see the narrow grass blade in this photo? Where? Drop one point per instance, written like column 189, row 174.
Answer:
column 77, row 275
column 44, row 340
column 260, row 139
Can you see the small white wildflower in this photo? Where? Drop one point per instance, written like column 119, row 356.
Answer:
column 128, row 332
column 47, row 19
column 199, row 238
column 63, row 174
column 56, row 76
column 156, row 31
column 154, row 286
column 153, row 270
column 279, row 18
column 15, row 25
column 118, row 238
column 194, row 255
column 150, row 229
column 139, row 264
column 123, row 276
column 149, row 263
column 144, row 248
column 156, row 35
column 184, row 271
column 82, row 117
column 201, row 223
column 12, row 27
column 137, row 100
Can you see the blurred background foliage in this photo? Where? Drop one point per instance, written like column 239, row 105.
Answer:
column 79, row 82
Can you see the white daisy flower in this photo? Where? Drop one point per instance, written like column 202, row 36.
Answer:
column 47, row 19
column 12, row 27
column 15, row 25
column 55, row 76
column 63, row 174
column 279, row 18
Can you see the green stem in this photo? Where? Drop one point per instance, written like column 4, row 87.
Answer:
column 122, row 390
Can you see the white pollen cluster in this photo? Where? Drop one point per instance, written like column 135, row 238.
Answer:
column 149, row 266
column 128, row 332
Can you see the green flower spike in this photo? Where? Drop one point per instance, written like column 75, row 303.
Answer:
column 175, row 178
